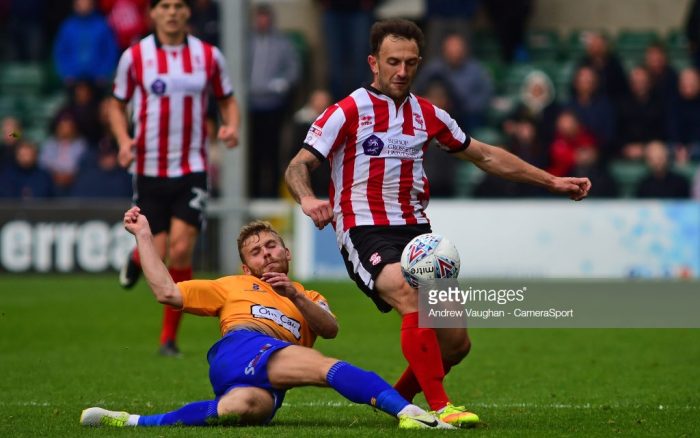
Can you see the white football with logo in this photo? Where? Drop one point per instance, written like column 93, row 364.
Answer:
column 428, row 257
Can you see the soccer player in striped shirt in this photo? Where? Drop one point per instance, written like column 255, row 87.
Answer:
column 166, row 79
column 374, row 140
column 268, row 326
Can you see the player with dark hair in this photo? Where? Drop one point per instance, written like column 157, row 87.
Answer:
column 374, row 140
column 269, row 325
column 167, row 77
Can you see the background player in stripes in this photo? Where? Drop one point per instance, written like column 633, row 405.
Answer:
column 167, row 77
column 375, row 139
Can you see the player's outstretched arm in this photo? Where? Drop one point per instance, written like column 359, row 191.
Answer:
column 320, row 321
column 499, row 162
column 157, row 275
column 298, row 178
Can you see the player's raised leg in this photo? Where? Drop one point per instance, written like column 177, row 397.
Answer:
column 300, row 366
column 422, row 349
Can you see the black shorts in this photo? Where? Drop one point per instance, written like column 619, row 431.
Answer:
column 367, row 248
column 162, row 199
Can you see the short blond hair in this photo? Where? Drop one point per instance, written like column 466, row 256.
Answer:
column 254, row 228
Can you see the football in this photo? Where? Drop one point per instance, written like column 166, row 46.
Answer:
column 428, row 257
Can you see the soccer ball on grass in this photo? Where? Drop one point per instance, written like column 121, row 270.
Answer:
column 428, row 257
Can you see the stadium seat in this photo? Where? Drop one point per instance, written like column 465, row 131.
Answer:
column 467, row 177
column 562, row 78
column 543, row 44
column 677, row 44
column 631, row 44
column 21, row 79
column 8, row 106
column 485, row 46
column 627, row 174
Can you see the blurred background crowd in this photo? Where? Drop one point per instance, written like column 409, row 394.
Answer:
column 622, row 109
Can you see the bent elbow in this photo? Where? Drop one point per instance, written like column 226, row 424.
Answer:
column 330, row 332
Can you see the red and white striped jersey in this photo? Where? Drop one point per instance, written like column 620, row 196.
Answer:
column 376, row 151
column 168, row 89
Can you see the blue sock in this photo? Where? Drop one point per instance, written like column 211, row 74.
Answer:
column 199, row 413
column 360, row 386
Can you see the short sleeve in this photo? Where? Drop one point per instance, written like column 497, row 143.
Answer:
column 221, row 82
column 124, row 81
column 319, row 299
column 325, row 132
column 202, row 297
column 443, row 128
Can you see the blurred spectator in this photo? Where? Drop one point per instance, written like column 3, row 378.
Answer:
column 538, row 103
column 464, row 75
column 509, row 20
column 662, row 182
column 684, row 117
column 593, row 109
column 83, row 104
column 569, row 137
column 274, row 70
column 25, row 30
column 599, row 57
column 346, row 25
column 664, row 78
column 318, row 101
column 85, row 47
column 11, row 134
column 62, row 152
column 24, row 179
column 641, row 116
column 523, row 142
column 444, row 17
column 440, row 167
column 54, row 14
column 205, row 21
column 128, row 20
column 105, row 180
column 587, row 165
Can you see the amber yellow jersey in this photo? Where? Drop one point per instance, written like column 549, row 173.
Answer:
column 247, row 300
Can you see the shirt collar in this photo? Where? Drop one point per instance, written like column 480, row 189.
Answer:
column 159, row 44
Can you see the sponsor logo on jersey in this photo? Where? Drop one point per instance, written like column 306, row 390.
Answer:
column 366, row 120
column 373, row 146
column 275, row 315
column 375, row 259
column 158, row 87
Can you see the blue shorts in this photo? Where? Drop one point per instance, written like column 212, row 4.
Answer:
column 240, row 359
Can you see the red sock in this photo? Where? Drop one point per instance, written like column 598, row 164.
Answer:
column 408, row 385
column 135, row 257
column 171, row 316
column 421, row 349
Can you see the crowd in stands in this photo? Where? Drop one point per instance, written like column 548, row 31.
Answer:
column 627, row 119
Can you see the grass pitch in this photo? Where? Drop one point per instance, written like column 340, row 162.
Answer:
column 70, row 342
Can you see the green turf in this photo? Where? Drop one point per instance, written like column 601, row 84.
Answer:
column 69, row 342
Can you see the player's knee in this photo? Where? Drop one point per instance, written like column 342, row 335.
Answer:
column 244, row 408
column 179, row 252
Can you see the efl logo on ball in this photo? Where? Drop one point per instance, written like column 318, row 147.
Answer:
column 427, row 257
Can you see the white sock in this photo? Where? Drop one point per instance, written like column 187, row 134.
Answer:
column 133, row 420
column 411, row 409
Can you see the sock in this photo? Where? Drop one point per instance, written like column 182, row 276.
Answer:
column 135, row 257
column 408, row 385
column 199, row 413
column 360, row 386
column 422, row 351
column 171, row 317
